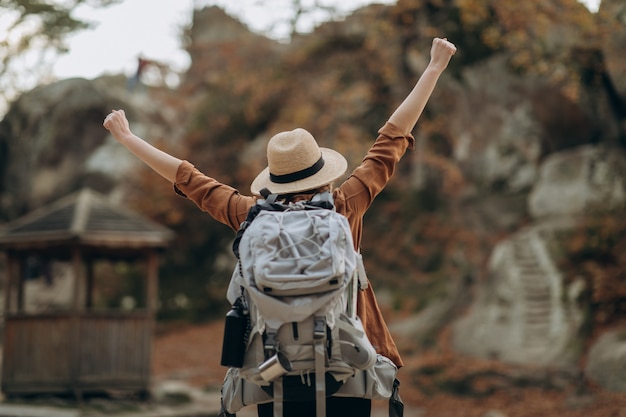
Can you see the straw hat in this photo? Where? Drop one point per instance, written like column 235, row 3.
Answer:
column 296, row 163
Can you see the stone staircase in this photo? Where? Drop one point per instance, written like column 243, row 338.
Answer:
column 540, row 286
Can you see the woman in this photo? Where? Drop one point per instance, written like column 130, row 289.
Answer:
column 298, row 167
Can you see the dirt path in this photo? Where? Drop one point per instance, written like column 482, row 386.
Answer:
column 191, row 353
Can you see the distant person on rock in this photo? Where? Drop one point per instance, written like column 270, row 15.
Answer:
column 142, row 64
column 299, row 168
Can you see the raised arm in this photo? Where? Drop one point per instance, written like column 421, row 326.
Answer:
column 406, row 115
column 161, row 162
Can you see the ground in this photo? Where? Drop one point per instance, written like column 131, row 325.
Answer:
column 191, row 353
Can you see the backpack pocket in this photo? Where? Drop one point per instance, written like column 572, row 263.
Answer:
column 375, row 383
column 298, row 253
column 356, row 349
column 237, row 392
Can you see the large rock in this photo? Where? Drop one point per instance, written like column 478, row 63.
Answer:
column 607, row 361
column 504, row 124
column 588, row 179
column 498, row 139
column 524, row 313
column 47, row 137
column 52, row 141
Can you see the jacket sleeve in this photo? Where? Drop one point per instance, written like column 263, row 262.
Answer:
column 221, row 201
column 356, row 194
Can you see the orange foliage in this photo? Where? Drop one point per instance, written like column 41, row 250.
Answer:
column 596, row 251
column 537, row 35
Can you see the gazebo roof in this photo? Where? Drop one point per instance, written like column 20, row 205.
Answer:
column 84, row 218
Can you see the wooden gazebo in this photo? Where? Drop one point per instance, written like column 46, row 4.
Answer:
column 80, row 347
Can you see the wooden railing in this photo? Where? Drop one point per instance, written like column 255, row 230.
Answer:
column 77, row 352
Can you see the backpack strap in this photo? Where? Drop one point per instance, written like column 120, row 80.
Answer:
column 319, row 339
column 360, row 270
column 323, row 200
column 278, row 398
column 268, row 196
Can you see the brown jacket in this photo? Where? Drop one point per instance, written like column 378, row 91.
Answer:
column 352, row 199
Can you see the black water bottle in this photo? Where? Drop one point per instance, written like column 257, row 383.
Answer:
column 236, row 330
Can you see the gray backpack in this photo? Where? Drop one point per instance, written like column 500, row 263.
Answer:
column 296, row 284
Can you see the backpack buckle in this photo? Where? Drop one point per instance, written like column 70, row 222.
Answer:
column 271, row 340
column 319, row 328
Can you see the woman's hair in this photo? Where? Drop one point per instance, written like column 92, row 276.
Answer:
column 304, row 195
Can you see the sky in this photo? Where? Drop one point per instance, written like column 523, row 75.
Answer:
column 152, row 29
